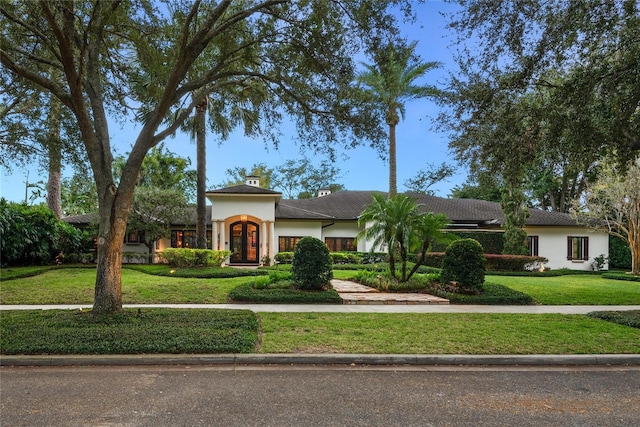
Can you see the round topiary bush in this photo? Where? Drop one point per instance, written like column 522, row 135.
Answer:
column 463, row 263
column 311, row 265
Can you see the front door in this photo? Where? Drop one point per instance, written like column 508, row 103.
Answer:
column 245, row 241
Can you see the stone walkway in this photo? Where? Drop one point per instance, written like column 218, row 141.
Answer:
column 355, row 293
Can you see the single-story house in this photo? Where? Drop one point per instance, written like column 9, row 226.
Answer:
column 256, row 223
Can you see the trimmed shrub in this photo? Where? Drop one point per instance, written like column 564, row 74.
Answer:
column 284, row 257
column 619, row 254
column 463, row 263
column 491, row 241
column 434, row 259
column 492, row 294
column 345, row 258
column 373, row 257
column 627, row 318
column 311, row 265
column 621, row 276
column 186, row 257
column 500, row 262
column 268, row 295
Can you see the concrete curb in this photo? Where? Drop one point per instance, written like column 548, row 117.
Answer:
column 325, row 359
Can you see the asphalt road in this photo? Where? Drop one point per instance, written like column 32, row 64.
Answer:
column 315, row 395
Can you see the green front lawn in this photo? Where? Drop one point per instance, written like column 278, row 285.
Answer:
column 76, row 286
column 573, row 289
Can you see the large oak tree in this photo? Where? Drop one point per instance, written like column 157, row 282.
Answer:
column 153, row 59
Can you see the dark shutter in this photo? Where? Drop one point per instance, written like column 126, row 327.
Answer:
column 585, row 248
column 569, row 248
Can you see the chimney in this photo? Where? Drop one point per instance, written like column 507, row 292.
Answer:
column 323, row 192
column 253, row 180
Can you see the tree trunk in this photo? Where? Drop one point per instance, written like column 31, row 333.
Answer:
column 201, row 184
column 55, row 158
column 634, row 245
column 393, row 185
column 108, row 289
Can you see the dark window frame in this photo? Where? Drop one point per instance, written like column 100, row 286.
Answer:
column 341, row 244
column 533, row 245
column 287, row 243
column 577, row 248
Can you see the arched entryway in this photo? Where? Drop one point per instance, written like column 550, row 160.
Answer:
column 245, row 242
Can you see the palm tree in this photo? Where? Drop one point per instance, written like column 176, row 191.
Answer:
column 388, row 222
column 396, row 222
column 427, row 230
column 390, row 80
column 201, row 168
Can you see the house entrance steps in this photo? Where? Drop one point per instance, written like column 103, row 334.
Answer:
column 355, row 293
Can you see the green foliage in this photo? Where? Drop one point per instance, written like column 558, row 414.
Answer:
column 146, row 331
column 515, row 214
column 162, row 169
column 345, row 258
column 425, row 178
column 491, row 294
column 341, row 257
column 32, row 235
column 619, row 254
column 301, row 179
column 621, row 276
column 463, row 263
column 627, row 318
column 195, row 272
column 492, row 242
column 284, row 257
column 275, row 295
column 311, row 265
column 391, row 82
column 383, row 282
column 187, row 257
column 497, row 262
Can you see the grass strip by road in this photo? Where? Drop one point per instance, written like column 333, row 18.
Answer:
column 435, row 333
column 131, row 332
column 176, row 331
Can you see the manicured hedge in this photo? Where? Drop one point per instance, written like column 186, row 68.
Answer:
column 248, row 293
column 196, row 272
column 491, row 241
column 621, row 276
column 134, row 331
column 492, row 294
column 499, row 262
column 619, row 254
column 627, row 318
column 186, row 257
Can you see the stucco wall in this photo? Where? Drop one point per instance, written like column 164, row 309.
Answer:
column 259, row 207
column 552, row 244
column 297, row 229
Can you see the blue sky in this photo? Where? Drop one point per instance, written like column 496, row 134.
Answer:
column 362, row 168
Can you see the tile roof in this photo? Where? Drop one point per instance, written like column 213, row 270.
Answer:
column 348, row 205
column 243, row 189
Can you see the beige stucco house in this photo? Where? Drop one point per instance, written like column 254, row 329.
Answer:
column 255, row 224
